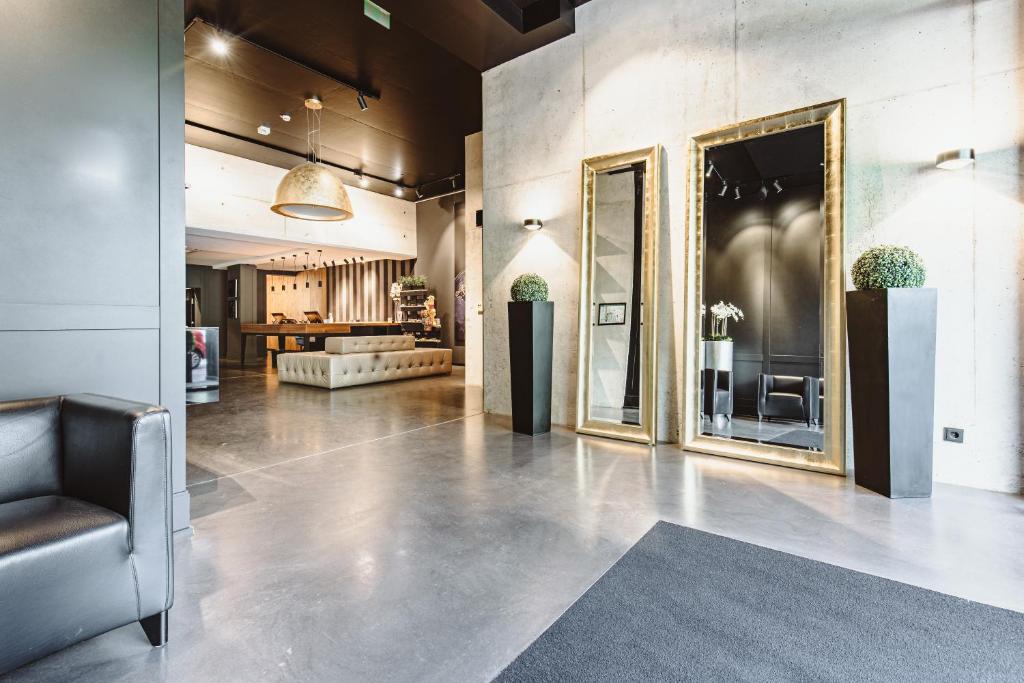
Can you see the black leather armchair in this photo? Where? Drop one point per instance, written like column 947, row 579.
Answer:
column 787, row 397
column 85, row 522
column 717, row 393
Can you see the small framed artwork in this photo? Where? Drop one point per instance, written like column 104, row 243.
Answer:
column 611, row 314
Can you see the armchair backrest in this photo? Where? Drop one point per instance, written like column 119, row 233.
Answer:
column 785, row 384
column 30, row 449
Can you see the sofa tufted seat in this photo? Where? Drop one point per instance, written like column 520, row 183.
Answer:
column 351, row 361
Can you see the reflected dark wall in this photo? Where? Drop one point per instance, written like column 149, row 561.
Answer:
column 765, row 256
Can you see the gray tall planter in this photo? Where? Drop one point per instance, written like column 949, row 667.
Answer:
column 892, row 383
column 530, row 328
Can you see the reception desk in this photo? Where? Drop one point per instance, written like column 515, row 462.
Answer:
column 308, row 332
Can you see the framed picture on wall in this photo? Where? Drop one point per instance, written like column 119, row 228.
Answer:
column 611, row 314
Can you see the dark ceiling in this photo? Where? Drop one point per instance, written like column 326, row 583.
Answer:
column 425, row 70
column 794, row 157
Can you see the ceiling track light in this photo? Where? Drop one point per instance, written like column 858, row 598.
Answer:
column 778, row 186
column 725, row 188
column 737, row 192
column 763, row 191
column 711, row 170
column 272, row 274
column 361, row 101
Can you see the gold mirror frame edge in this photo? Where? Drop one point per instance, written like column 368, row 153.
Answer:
column 646, row 432
column 832, row 116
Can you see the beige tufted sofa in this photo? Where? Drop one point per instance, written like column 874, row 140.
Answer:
column 350, row 361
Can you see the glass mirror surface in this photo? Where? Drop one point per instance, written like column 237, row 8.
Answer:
column 614, row 374
column 761, row 366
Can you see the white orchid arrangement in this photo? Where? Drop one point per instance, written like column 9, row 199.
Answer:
column 396, row 291
column 721, row 313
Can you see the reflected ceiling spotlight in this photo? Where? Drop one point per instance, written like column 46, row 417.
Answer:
column 263, row 129
column 533, row 224
column 725, row 188
column 310, row 191
column 777, row 185
column 711, row 170
column 955, row 159
column 219, row 46
column 399, row 190
column 286, row 116
column 363, row 106
column 764, row 191
column 737, row 192
column 419, row 194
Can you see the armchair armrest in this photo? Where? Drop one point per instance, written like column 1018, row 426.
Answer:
column 117, row 455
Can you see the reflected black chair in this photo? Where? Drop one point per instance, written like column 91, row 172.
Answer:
column 786, row 397
column 717, row 393
column 85, row 522
column 819, row 418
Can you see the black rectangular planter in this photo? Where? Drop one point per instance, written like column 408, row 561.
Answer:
column 530, row 329
column 892, row 386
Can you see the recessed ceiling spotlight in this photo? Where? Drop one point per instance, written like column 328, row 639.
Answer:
column 399, row 191
column 361, row 101
column 219, row 46
column 363, row 180
column 263, row 129
column 286, row 117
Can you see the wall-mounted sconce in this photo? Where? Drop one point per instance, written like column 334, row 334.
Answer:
column 533, row 224
column 955, row 159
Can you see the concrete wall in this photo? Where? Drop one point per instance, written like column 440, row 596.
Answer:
column 92, row 268
column 474, row 260
column 919, row 77
column 230, row 196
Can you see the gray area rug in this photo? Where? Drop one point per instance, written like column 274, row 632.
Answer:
column 685, row 605
column 801, row 438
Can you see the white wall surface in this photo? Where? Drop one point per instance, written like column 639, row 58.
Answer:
column 230, row 195
column 919, row 77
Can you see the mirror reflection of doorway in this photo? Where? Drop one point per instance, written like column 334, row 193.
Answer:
column 762, row 371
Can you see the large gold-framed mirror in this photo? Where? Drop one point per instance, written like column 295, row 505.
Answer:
column 616, row 394
column 765, row 359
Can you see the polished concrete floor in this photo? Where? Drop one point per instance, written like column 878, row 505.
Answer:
column 395, row 533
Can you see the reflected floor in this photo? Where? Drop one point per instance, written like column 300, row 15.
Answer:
column 626, row 416
column 795, row 434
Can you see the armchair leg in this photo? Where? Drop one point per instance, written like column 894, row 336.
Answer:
column 156, row 629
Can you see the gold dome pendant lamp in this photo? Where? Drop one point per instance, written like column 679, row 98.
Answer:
column 310, row 191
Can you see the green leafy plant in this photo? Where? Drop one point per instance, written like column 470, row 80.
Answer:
column 413, row 281
column 529, row 287
column 888, row 266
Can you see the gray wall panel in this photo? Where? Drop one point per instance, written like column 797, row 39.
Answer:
column 111, row 362
column 92, row 239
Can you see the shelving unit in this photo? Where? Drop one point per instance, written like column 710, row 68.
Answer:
column 411, row 303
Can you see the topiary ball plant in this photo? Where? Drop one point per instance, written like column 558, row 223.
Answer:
column 888, row 266
column 529, row 287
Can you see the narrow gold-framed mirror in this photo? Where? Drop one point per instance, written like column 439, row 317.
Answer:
column 617, row 389
column 764, row 374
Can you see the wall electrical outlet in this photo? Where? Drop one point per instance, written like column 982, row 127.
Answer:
column 954, row 434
